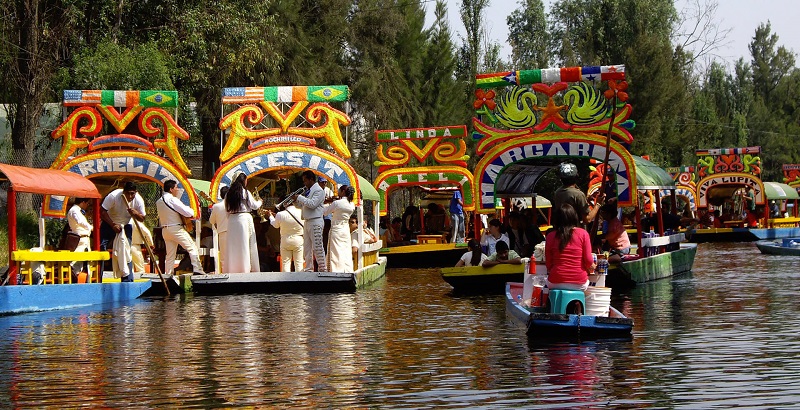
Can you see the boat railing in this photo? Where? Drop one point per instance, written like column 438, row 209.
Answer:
column 651, row 245
column 783, row 222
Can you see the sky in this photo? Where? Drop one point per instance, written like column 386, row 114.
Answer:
column 742, row 17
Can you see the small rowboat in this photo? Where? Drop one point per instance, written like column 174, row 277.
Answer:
column 784, row 247
column 540, row 324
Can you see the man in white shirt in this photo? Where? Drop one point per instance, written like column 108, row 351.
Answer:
column 219, row 221
column 117, row 210
column 170, row 214
column 288, row 223
column 79, row 226
column 313, row 225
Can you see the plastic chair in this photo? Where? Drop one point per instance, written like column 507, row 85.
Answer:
column 560, row 299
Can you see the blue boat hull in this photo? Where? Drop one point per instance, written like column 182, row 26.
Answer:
column 772, row 248
column 540, row 325
column 34, row 298
column 740, row 234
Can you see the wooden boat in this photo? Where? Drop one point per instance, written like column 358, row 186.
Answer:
column 638, row 269
column 406, row 167
column 723, row 174
column 538, row 323
column 56, row 291
column 270, row 159
column 289, row 282
column 786, row 247
column 480, row 279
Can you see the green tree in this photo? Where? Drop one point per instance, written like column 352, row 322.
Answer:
column 528, row 35
column 770, row 64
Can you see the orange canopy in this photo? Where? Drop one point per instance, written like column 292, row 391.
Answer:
column 49, row 181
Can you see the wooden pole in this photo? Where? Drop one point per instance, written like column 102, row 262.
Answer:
column 12, row 235
column 596, row 221
column 148, row 245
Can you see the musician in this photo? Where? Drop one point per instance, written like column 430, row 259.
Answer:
column 80, row 227
column 171, row 214
column 219, row 220
column 117, row 211
column 339, row 247
column 287, row 221
column 311, row 211
column 326, row 218
column 242, row 249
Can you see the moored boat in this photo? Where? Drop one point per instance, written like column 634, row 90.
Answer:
column 481, row 279
column 51, row 269
column 785, row 247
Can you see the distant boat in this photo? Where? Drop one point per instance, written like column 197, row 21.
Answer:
column 786, row 247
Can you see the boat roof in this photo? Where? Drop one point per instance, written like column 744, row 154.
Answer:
column 651, row 176
column 777, row 190
column 367, row 190
column 48, row 182
column 520, row 178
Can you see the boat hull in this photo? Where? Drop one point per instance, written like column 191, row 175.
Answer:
column 654, row 267
column 288, row 282
column 541, row 325
column 772, row 248
column 33, row 298
column 424, row 255
column 740, row 234
column 484, row 280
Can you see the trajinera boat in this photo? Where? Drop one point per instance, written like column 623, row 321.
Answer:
column 403, row 158
column 39, row 279
column 277, row 150
column 518, row 143
column 735, row 205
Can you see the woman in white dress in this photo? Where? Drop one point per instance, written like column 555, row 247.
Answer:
column 241, row 253
column 340, row 254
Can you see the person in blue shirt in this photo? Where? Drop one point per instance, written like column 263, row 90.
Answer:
column 457, row 217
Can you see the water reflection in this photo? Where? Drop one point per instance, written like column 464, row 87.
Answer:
column 722, row 336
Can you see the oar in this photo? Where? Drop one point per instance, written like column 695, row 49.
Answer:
column 596, row 220
column 149, row 245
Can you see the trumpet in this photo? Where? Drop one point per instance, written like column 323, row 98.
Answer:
column 289, row 199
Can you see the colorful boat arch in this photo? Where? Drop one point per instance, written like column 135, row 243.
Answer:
column 433, row 175
column 139, row 165
column 552, row 145
column 121, row 154
column 729, row 179
column 791, row 175
column 287, row 157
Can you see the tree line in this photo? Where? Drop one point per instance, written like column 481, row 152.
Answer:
column 401, row 73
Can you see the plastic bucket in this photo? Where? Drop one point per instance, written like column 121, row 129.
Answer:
column 597, row 280
column 598, row 300
column 82, row 277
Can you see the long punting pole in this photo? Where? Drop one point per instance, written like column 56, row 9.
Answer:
column 603, row 181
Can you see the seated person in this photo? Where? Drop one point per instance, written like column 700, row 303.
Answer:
column 474, row 257
column 774, row 210
column 502, row 255
column 615, row 237
column 568, row 252
column 493, row 235
column 392, row 236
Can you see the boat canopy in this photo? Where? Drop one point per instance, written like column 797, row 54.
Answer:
column 651, row 176
column 49, row 181
column 200, row 185
column 777, row 190
column 367, row 190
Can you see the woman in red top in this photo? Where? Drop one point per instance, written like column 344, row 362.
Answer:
column 568, row 252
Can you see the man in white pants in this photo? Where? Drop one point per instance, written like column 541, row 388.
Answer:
column 313, row 225
column 288, row 222
column 79, row 226
column 219, row 220
column 137, row 240
column 170, row 213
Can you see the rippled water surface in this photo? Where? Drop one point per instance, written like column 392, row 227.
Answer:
column 724, row 336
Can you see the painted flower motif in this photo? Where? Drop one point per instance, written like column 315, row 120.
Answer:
column 484, row 98
column 618, row 88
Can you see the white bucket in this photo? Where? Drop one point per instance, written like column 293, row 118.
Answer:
column 598, row 301
column 597, row 280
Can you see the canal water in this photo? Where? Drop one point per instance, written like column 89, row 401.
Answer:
column 723, row 336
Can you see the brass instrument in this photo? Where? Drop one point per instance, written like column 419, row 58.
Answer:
column 289, row 199
column 262, row 211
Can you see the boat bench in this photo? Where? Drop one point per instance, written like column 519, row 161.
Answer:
column 430, row 239
column 783, row 222
column 56, row 265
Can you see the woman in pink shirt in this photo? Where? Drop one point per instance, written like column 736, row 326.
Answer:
column 568, row 252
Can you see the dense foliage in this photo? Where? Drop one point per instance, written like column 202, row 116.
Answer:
column 400, row 72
